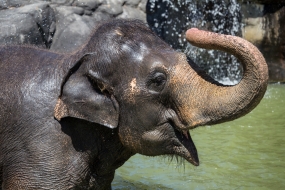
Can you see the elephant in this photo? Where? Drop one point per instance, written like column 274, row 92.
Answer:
column 68, row 121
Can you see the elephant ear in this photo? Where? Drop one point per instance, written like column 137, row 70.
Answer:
column 86, row 95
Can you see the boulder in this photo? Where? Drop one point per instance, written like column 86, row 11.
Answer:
column 29, row 24
column 61, row 25
column 72, row 28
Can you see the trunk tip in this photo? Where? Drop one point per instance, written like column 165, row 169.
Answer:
column 192, row 33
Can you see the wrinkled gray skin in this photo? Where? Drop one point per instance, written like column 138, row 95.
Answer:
column 69, row 120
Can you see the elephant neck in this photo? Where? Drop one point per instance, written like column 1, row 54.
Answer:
column 100, row 149
column 105, row 161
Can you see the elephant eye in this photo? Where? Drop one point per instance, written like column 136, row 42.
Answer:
column 156, row 81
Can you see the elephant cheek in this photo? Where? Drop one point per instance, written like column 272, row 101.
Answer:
column 128, row 139
column 131, row 92
column 153, row 141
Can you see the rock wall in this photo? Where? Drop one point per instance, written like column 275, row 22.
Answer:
column 61, row 25
column 264, row 26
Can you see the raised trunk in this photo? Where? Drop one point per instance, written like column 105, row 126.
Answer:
column 201, row 101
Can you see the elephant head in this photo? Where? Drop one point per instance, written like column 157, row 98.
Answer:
column 131, row 81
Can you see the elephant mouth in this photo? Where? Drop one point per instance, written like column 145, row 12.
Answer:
column 186, row 147
column 183, row 143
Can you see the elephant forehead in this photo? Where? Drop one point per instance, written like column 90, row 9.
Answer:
column 138, row 51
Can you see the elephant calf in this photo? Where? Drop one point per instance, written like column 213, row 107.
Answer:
column 70, row 120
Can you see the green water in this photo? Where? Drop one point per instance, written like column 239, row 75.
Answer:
column 248, row 153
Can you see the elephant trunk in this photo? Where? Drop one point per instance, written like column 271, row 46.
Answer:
column 201, row 101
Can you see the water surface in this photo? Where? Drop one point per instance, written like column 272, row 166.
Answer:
column 248, row 153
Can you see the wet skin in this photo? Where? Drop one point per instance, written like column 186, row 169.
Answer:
column 68, row 121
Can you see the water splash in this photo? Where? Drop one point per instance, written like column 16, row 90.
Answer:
column 170, row 20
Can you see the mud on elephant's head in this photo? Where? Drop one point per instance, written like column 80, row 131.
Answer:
column 132, row 81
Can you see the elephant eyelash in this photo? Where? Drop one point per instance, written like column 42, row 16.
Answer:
column 156, row 81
